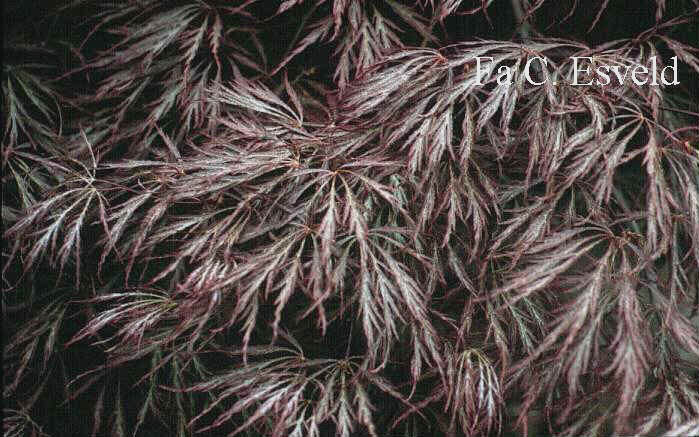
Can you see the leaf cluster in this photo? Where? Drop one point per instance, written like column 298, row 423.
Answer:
column 352, row 233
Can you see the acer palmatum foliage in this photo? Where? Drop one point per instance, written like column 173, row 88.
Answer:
column 311, row 218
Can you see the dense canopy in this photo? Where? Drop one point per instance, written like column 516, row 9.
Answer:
column 350, row 218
